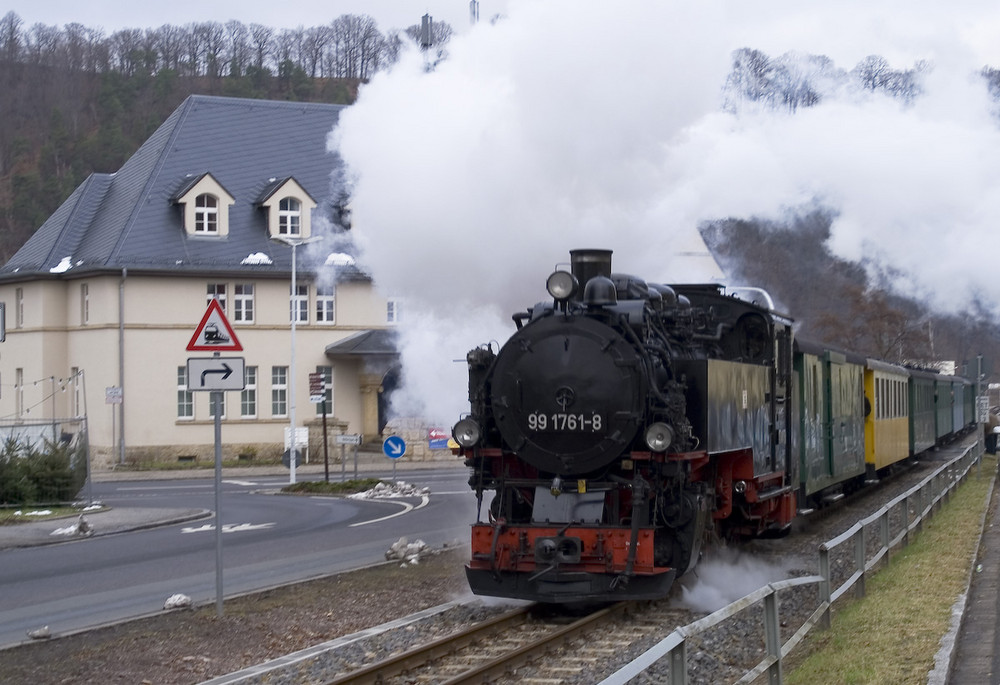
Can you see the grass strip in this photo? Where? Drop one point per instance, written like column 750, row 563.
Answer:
column 893, row 633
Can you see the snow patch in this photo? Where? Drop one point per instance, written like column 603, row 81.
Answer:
column 340, row 259
column 407, row 552
column 257, row 258
column 64, row 265
column 385, row 490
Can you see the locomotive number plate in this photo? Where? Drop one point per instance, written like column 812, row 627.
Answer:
column 560, row 421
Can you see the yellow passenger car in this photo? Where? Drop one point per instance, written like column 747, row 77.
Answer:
column 887, row 429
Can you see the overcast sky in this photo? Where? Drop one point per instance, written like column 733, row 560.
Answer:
column 114, row 14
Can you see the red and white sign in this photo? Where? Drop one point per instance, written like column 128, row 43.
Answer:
column 214, row 334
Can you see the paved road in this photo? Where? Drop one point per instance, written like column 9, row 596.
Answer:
column 158, row 540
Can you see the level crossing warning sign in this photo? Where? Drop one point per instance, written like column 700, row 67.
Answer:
column 214, row 334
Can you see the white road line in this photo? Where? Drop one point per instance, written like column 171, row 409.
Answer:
column 407, row 508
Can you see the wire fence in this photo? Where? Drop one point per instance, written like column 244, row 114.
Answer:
column 844, row 563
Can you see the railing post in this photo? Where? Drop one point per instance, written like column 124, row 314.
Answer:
column 678, row 663
column 906, row 519
column 859, row 562
column 772, row 636
column 883, row 524
column 825, row 585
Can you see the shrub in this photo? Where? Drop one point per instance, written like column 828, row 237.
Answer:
column 49, row 473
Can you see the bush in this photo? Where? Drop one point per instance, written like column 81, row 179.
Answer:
column 48, row 474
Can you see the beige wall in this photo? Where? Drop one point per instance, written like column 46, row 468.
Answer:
column 162, row 314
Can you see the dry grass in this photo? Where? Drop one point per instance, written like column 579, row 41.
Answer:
column 892, row 635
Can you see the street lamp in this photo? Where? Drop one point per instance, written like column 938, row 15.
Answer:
column 294, row 242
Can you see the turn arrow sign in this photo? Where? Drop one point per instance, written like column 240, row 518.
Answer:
column 216, row 373
column 226, row 372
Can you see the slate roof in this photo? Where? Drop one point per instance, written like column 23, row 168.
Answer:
column 365, row 343
column 129, row 220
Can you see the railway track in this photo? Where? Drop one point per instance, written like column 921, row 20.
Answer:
column 521, row 646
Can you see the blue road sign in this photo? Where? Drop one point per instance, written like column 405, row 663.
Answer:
column 394, row 447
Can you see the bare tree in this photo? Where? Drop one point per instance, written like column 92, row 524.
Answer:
column 170, row 43
column 125, row 48
column 261, row 38
column 313, row 46
column 239, row 47
column 11, row 39
column 213, row 38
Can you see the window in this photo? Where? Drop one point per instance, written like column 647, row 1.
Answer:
column 206, row 215
column 290, row 217
column 299, row 303
column 84, row 304
column 205, row 206
column 326, row 304
column 216, row 291
column 393, row 310
column 248, row 398
column 19, row 391
column 185, row 398
column 19, row 307
column 76, row 390
column 279, row 391
column 243, row 303
column 327, row 372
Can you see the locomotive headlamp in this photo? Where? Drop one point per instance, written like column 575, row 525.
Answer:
column 659, row 436
column 466, row 432
column 562, row 285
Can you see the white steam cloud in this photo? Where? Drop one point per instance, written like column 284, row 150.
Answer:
column 724, row 577
column 574, row 123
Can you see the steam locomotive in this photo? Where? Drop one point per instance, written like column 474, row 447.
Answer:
column 624, row 422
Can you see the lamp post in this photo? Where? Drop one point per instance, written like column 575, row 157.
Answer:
column 294, row 315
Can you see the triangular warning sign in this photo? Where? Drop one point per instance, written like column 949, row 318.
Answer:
column 214, row 334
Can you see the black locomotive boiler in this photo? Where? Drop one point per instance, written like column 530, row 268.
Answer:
column 621, row 423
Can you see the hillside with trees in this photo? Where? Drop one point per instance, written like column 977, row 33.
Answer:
column 77, row 101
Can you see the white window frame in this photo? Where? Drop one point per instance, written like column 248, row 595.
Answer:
column 290, row 217
column 243, row 303
column 279, row 391
column 326, row 304
column 84, row 304
column 393, row 311
column 185, row 397
column 206, row 214
column 248, row 397
column 298, row 304
column 216, row 291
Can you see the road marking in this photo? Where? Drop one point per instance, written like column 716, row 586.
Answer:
column 166, row 487
column 230, row 527
column 407, row 508
column 245, row 483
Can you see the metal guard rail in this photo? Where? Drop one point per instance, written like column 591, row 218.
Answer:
column 929, row 494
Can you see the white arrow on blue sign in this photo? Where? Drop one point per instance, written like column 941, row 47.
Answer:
column 394, row 447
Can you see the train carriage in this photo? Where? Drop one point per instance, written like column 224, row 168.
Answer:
column 887, row 426
column 944, row 402
column 922, row 412
column 831, row 421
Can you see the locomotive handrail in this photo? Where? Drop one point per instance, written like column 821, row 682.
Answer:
column 674, row 646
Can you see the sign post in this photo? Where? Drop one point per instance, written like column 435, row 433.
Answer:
column 216, row 375
column 317, row 394
column 394, row 447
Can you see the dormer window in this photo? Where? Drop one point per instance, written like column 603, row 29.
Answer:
column 290, row 217
column 206, row 214
column 289, row 208
column 206, row 206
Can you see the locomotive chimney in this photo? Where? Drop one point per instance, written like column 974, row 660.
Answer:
column 585, row 264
